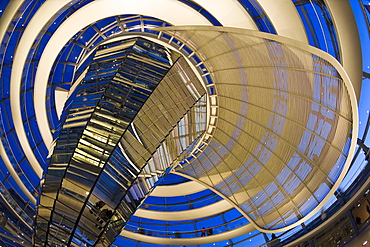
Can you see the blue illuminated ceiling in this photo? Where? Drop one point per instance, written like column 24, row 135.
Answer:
column 24, row 165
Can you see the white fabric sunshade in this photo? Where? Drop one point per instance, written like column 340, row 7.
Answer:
column 285, row 128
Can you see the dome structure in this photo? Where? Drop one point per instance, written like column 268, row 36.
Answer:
column 175, row 122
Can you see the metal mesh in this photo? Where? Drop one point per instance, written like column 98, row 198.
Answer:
column 283, row 129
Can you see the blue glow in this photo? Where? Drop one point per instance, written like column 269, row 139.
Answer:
column 320, row 32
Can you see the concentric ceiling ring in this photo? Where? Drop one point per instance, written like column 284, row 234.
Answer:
column 49, row 55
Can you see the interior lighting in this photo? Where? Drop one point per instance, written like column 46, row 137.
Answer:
column 365, row 243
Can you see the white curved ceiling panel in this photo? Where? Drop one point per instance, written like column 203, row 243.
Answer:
column 229, row 13
column 178, row 189
column 33, row 29
column 349, row 41
column 209, row 210
column 193, row 241
column 285, row 19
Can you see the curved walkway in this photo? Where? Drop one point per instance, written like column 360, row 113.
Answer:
column 186, row 188
column 189, row 241
column 191, row 214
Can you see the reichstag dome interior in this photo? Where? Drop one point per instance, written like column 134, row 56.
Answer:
column 198, row 123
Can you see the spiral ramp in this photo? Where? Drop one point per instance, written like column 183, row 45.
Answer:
column 249, row 130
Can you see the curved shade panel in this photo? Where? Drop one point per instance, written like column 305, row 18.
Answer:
column 285, row 128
